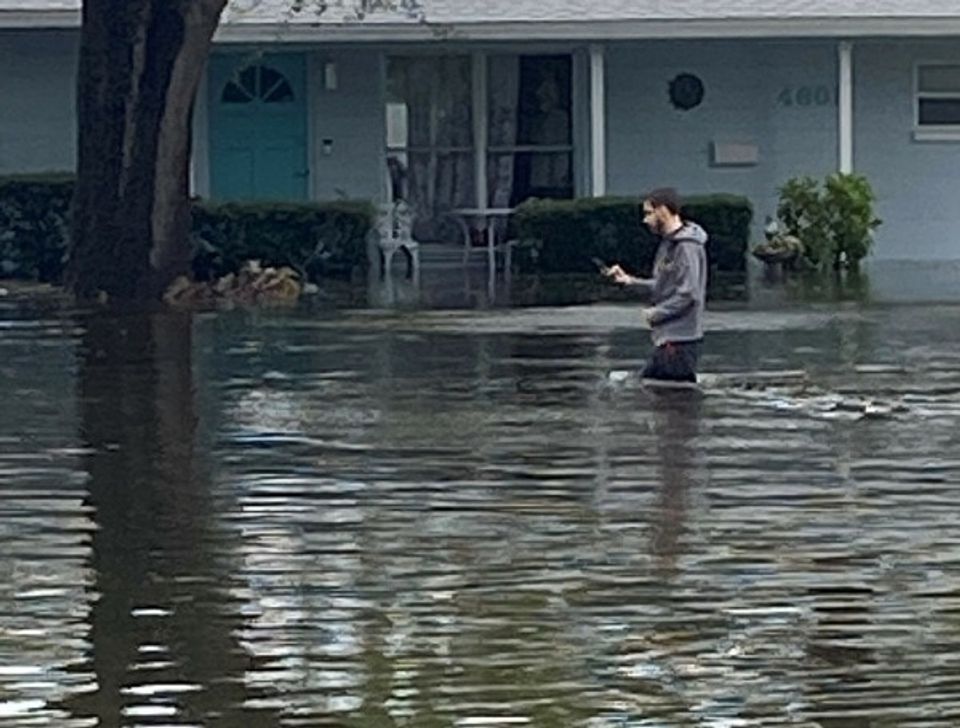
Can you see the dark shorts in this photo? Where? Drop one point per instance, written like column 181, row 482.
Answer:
column 674, row 362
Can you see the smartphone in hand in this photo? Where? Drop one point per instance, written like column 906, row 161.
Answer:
column 601, row 266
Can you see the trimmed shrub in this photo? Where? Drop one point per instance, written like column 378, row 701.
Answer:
column 835, row 222
column 34, row 226
column 316, row 239
column 563, row 236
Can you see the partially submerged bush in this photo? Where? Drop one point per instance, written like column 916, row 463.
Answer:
column 834, row 223
column 564, row 236
column 34, row 226
column 315, row 239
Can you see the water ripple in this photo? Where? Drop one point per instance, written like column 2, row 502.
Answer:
column 478, row 520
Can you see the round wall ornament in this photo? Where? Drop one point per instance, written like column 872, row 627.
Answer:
column 686, row 91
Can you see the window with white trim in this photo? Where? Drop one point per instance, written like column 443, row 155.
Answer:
column 257, row 83
column 530, row 131
column 429, row 120
column 938, row 97
column 526, row 148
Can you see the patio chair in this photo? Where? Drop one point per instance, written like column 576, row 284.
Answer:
column 394, row 232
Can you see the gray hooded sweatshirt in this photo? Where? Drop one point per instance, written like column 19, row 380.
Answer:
column 679, row 286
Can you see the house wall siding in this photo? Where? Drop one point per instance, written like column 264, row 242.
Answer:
column 751, row 97
column 917, row 182
column 352, row 117
column 37, row 101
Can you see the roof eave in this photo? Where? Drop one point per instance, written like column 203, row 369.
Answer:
column 592, row 30
column 40, row 19
column 587, row 30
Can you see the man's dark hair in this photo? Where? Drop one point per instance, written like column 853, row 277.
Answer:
column 665, row 197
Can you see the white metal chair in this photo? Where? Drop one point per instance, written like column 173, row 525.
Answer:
column 394, row 231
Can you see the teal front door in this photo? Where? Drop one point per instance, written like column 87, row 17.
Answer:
column 258, row 127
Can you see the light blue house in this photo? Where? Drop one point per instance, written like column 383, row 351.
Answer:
column 474, row 106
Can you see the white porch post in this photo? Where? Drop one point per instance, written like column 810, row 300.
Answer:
column 200, row 154
column 480, row 141
column 480, row 128
column 598, row 123
column 845, row 111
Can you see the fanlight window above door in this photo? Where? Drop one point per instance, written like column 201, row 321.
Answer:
column 257, row 83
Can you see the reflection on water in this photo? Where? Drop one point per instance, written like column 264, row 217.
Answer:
column 436, row 519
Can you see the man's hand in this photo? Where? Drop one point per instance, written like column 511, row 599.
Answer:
column 618, row 275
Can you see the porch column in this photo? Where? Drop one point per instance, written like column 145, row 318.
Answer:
column 479, row 88
column 480, row 141
column 200, row 152
column 598, row 123
column 845, row 104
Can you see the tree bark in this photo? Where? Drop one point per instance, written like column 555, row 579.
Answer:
column 140, row 65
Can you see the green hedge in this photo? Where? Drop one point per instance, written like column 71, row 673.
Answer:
column 319, row 240
column 322, row 239
column 34, row 226
column 562, row 236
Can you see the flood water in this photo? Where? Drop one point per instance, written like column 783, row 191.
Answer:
column 478, row 518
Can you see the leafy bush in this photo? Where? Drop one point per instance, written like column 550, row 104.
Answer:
column 323, row 239
column 34, row 226
column 318, row 240
column 565, row 235
column 834, row 222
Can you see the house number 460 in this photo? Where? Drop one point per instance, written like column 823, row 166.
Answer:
column 806, row 96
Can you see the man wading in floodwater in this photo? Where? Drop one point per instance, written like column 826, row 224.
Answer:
column 678, row 289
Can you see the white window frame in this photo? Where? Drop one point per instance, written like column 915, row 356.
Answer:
column 481, row 149
column 933, row 132
column 434, row 150
column 514, row 149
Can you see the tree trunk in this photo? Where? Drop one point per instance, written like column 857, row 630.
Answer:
column 140, row 65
